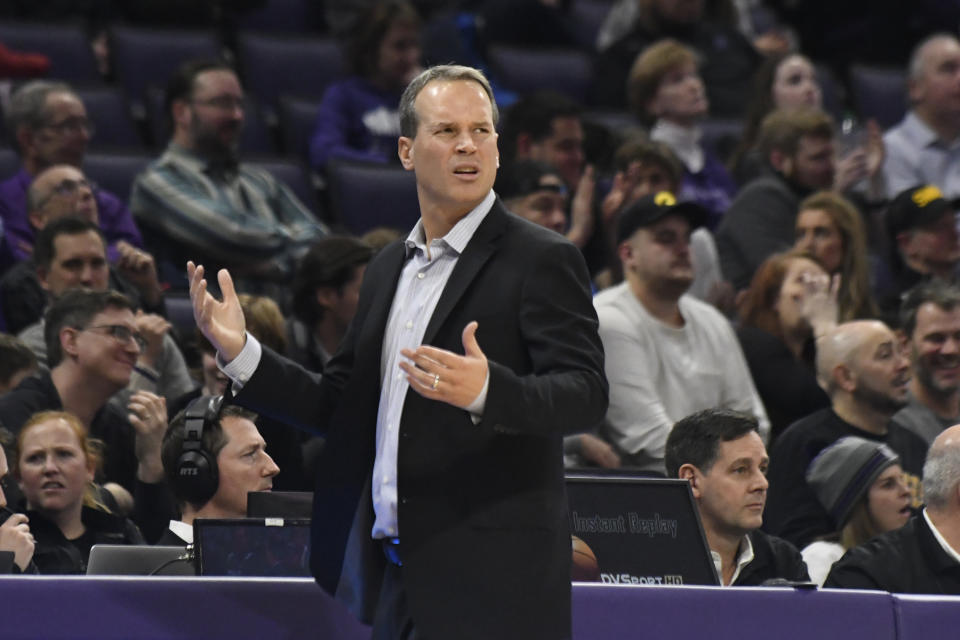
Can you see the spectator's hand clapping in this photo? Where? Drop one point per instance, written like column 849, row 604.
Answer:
column 148, row 416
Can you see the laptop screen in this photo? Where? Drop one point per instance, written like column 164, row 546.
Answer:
column 261, row 547
column 636, row 530
column 139, row 560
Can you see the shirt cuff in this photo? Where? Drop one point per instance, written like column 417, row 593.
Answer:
column 476, row 407
column 241, row 368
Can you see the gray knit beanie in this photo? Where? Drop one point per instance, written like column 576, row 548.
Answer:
column 842, row 473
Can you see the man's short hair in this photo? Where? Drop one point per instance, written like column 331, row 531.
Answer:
column 941, row 473
column 649, row 152
column 330, row 262
column 76, row 308
column 942, row 294
column 213, row 440
column 783, row 129
column 27, row 106
column 440, row 73
column 15, row 357
column 180, row 84
column 44, row 247
column 649, row 70
column 534, row 114
column 696, row 439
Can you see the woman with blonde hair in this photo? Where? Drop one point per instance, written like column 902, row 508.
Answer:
column 830, row 228
column 55, row 466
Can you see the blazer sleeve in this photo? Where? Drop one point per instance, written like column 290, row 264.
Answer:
column 566, row 390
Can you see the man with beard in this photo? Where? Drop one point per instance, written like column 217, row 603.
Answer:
column 930, row 318
column 198, row 201
column 667, row 354
column 862, row 368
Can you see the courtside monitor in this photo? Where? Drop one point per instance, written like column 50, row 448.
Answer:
column 260, row 547
column 636, row 530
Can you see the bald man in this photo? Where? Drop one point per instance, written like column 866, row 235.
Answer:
column 922, row 149
column 865, row 373
column 923, row 556
column 57, row 192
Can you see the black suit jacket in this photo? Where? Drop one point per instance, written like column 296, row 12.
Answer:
column 482, row 508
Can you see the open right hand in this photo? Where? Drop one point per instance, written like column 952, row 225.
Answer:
column 222, row 323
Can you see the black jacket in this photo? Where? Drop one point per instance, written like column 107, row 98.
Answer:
column 55, row 555
column 773, row 558
column 793, row 511
column 908, row 560
column 153, row 503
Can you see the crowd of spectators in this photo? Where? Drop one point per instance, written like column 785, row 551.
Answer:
column 790, row 285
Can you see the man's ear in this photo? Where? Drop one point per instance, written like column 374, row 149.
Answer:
column 37, row 220
column 781, row 162
column 24, row 136
column 405, row 152
column 904, row 239
column 180, row 112
column 524, row 145
column 691, row 474
column 844, row 378
column 42, row 277
column 68, row 341
column 624, row 251
column 326, row 296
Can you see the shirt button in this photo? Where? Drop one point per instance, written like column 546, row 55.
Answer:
column 421, row 275
column 400, row 376
column 385, row 480
column 409, row 324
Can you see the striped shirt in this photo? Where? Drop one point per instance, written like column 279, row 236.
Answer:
column 227, row 218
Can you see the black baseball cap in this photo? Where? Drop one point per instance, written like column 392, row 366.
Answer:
column 915, row 207
column 655, row 207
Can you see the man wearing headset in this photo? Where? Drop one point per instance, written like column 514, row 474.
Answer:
column 212, row 457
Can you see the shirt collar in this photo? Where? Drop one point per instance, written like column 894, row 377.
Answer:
column 461, row 233
column 920, row 132
column 187, row 157
column 183, row 530
column 744, row 557
column 196, row 162
column 950, row 551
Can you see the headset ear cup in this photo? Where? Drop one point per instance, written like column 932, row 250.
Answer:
column 197, row 477
column 197, row 474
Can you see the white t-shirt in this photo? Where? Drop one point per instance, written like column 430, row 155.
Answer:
column 659, row 374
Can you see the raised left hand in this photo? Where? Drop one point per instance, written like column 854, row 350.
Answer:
column 445, row 376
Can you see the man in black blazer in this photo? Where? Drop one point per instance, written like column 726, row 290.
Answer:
column 439, row 508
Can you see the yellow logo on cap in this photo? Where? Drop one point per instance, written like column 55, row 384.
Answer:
column 926, row 195
column 664, row 199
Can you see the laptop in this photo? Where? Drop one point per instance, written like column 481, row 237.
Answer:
column 280, row 504
column 139, row 560
column 261, row 547
column 636, row 530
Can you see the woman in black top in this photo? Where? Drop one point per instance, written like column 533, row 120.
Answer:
column 55, row 466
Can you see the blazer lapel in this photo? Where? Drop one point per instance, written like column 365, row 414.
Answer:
column 480, row 248
column 387, row 275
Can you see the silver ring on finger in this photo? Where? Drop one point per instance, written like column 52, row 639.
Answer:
column 436, row 381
